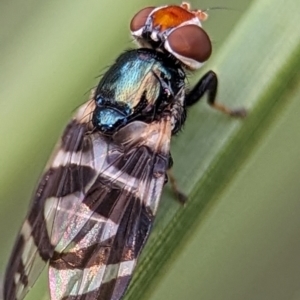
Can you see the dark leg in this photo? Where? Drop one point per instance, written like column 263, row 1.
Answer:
column 209, row 83
column 181, row 197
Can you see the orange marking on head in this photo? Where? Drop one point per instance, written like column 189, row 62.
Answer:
column 171, row 16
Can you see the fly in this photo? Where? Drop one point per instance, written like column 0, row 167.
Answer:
column 95, row 204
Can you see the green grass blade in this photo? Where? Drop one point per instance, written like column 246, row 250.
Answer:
column 259, row 68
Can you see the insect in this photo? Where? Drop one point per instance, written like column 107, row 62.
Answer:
column 95, row 204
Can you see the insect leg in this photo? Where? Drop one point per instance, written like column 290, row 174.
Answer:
column 180, row 196
column 209, row 83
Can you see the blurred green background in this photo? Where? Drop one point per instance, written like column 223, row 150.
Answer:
column 242, row 177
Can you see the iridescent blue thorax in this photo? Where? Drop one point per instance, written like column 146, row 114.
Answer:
column 139, row 86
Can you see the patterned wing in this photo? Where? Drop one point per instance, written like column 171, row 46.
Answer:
column 92, row 211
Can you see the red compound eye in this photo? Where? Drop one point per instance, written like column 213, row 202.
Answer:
column 190, row 42
column 140, row 18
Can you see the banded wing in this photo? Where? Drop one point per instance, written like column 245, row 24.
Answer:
column 92, row 211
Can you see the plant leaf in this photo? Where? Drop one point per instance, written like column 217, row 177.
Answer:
column 258, row 67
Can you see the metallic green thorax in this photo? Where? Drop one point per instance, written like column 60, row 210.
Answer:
column 138, row 86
